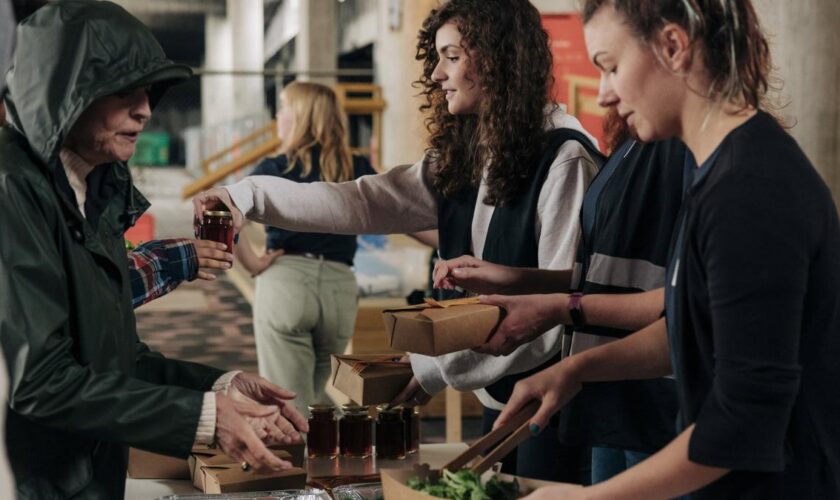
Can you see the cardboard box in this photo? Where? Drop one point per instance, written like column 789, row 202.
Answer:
column 214, row 472
column 295, row 451
column 367, row 381
column 431, row 330
column 394, row 483
column 147, row 465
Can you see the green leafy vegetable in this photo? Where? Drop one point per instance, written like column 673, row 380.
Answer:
column 466, row 485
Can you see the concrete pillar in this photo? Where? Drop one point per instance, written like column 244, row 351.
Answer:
column 404, row 135
column 316, row 44
column 804, row 43
column 217, row 90
column 246, row 20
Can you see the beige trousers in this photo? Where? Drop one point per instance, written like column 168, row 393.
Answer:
column 304, row 310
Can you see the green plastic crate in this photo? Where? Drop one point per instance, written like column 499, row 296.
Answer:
column 152, row 149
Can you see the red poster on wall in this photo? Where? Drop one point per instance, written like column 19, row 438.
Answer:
column 575, row 78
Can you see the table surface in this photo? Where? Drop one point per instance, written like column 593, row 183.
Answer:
column 436, row 455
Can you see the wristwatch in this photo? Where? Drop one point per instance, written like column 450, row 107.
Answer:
column 576, row 311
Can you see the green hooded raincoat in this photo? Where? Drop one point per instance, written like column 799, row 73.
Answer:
column 83, row 387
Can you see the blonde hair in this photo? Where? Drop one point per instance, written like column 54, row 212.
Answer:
column 318, row 121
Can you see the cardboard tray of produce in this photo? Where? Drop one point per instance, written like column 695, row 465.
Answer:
column 470, row 470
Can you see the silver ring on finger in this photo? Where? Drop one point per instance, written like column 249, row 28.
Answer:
column 246, row 466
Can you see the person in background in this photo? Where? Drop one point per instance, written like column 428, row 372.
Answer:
column 83, row 387
column 306, row 292
column 502, row 179
column 752, row 288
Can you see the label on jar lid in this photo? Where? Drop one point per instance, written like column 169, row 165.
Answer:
column 321, row 408
column 216, row 213
column 353, row 409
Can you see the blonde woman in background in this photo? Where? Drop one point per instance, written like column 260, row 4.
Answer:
column 306, row 292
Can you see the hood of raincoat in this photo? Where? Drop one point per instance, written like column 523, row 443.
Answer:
column 7, row 40
column 71, row 53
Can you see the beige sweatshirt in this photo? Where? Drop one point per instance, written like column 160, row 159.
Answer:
column 402, row 200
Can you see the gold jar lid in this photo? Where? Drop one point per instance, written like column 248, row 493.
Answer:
column 354, row 409
column 217, row 213
column 321, row 408
column 395, row 410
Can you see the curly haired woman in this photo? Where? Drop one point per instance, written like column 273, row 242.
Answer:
column 502, row 179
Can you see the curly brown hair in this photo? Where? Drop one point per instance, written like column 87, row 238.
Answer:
column 511, row 58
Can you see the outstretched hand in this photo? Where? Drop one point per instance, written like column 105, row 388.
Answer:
column 553, row 388
column 212, row 255
column 262, row 391
column 212, row 198
column 473, row 274
column 236, row 437
column 526, row 317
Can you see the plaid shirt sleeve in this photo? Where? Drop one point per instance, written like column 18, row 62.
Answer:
column 159, row 266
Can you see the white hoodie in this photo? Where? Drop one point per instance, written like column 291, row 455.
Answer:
column 402, row 200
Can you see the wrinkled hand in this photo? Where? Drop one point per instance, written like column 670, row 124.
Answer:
column 562, row 491
column 211, row 198
column 211, row 256
column 553, row 387
column 238, row 440
column 274, row 428
column 265, row 261
column 526, row 318
column 472, row 274
column 256, row 388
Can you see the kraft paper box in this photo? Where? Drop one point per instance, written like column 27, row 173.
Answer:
column 394, row 485
column 147, row 465
column 369, row 379
column 214, row 472
column 433, row 331
column 295, row 452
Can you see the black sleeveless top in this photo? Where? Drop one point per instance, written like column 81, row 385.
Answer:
column 511, row 236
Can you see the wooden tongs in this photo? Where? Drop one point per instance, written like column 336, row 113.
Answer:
column 504, row 439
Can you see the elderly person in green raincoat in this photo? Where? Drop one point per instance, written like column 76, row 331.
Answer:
column 84, row 79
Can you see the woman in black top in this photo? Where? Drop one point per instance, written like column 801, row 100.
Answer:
column 306, row 294
column 753, row 284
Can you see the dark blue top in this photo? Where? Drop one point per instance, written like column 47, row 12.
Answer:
column 627, row 217
column 335, row 247
column 753, row 308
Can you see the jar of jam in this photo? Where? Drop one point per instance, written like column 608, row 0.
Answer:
column 217, row 225
column 390, row 433
column 411, row 417
column 355, row 431
column 322, row 439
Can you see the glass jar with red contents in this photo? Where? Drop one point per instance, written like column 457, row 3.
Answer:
column 355, row 431
column 390, row 433
column 217, row 225
column 411, row 417
column 322, row 439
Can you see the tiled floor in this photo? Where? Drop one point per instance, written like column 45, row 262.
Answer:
column 203, row 321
